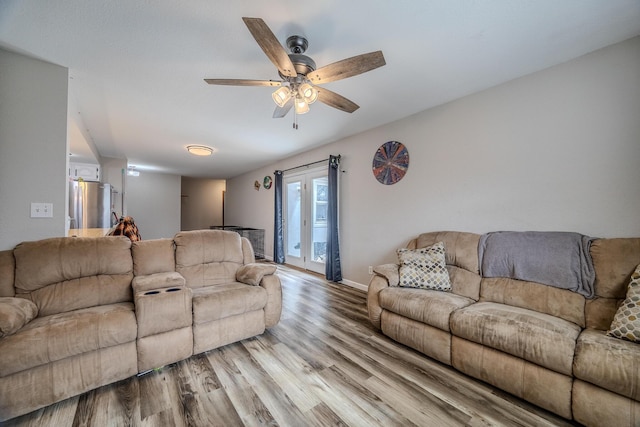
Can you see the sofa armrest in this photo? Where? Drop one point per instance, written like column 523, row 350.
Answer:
column 15, row 313
column 257, row 274
column 163, row 310
column 391, row 272
column 162, row 302
column 385, row 275
column 374, row 309
column 252, row 273
column 273, row 308
column 157, row 281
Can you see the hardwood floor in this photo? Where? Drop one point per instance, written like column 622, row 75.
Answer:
column 323, row 364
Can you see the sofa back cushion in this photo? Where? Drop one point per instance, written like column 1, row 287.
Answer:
column 614, row 260
column 7, row 270
column 208, row 257
column 534, row 296
column 461, row 256
column 153, row 256
column 69, row 273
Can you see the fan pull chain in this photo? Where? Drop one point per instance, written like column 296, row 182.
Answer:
column 295, row 119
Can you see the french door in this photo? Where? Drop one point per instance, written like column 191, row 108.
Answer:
column 305, row 230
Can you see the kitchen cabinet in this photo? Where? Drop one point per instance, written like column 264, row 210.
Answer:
column 86, row 171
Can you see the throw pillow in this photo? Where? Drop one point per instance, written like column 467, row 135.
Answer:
column 424, row 268
column 14, row 314
column 626, row 322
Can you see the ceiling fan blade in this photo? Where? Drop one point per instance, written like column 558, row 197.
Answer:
column 334, row 100
column 280, row 112
column 347, row 67
column 271, row 46
column 241, row 82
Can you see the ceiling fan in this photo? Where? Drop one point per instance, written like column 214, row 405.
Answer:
column 300, row 78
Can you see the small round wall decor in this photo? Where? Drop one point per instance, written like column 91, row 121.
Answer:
column 266, row 183
column 390, row 162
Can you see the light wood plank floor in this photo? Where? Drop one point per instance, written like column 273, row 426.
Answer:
column 322, row 365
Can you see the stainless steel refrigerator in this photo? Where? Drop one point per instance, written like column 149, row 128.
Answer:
column 89, row 205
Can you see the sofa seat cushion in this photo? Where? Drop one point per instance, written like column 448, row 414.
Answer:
column 426, row 306
column 608, row 362
column 221, row 301
column 58, row 336
column 536, row 337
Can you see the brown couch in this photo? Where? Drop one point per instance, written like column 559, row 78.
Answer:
column 79, row 313
column 543, row 344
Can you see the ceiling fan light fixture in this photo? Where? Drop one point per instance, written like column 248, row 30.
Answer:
column 199, row 150
column 301, row 105
column 308, row 93
column 281, row 96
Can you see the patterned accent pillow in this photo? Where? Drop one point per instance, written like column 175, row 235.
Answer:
column 626, row 322
column 424, row 268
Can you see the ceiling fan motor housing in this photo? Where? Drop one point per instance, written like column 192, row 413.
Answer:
column 297, row 44
column 302, row 63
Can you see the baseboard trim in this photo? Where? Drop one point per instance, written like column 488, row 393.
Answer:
column 346, row 282
column 355, row 285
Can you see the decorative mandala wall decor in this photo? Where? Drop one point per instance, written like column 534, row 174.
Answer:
column 390, row 162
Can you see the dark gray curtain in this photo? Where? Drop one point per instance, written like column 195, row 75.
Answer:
column 278, row 231
column 333, row 267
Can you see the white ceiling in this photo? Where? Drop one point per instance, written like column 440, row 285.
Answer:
column 137, row 66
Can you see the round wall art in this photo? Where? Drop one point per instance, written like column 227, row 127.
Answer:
column 390, row 162
column 266, row 183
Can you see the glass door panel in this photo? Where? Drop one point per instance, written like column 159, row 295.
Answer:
column 293, row 223
column 318, row 249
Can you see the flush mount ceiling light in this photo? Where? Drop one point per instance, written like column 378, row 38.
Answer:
column 199, row 150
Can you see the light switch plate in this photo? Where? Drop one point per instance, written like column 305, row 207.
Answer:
column 48, row 210
column 41, row 210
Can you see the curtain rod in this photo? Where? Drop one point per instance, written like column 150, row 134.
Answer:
column 309, row 164
column 305, row 165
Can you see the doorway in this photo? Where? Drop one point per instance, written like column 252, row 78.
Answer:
column 305, row 228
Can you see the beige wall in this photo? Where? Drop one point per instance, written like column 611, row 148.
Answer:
column 153, row 200
column 554, row 150
column 201, row 203
column 114, row 173
column 33, row 147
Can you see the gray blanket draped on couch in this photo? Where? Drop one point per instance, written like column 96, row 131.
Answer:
column 563, row 256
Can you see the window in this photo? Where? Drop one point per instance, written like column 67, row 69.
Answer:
column 320, row 190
